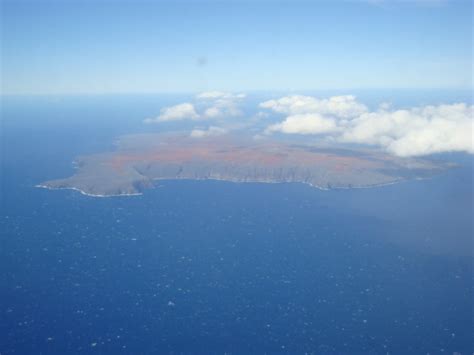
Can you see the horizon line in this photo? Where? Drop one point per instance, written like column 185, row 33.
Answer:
column 193, row 92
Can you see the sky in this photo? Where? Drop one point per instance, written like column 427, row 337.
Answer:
column 97, row 47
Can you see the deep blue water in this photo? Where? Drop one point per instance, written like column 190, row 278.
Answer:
column 216, row 267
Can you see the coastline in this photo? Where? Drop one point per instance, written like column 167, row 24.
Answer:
column 225, row 180
column 40, row 186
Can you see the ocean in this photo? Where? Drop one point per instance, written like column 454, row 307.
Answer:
column 211, row 267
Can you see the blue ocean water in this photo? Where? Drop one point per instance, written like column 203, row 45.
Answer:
column 214, row 267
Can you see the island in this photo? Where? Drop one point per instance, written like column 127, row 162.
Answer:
column 141, row 159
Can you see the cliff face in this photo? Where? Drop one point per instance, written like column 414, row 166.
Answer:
column 140, row 159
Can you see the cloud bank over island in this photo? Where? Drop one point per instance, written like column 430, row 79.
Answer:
column 404, row 132
column 414, row 131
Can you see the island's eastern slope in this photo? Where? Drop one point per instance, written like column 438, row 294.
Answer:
column 140, row 159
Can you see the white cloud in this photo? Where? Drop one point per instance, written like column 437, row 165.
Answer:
column 210, row 132
column 213, row 105
column 403, row 132
column 222, row 108
column 410, row 132
column 184, row 111
column 309, row 123
column 417, row 131
column 212, row 112
column 339, row 106
column 220, row 104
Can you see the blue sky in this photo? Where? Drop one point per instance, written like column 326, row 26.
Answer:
column 64, row 47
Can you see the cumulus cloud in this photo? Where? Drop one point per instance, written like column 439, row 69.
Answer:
column 417, row 131
column 409, row 132
column 222, row 108
column 220, row 104
column 184, row 111
column 308, row 123
column 212, row 105
column 340, row 106
column 210, row 132
column 403, row 132
column 212, row 112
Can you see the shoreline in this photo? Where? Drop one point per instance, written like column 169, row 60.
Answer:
column 40, row 186
column 224, row 180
